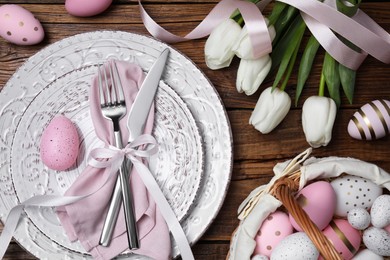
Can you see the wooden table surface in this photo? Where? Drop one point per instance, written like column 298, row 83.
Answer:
column 255, row 154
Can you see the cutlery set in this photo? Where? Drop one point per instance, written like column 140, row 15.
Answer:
column 113, row 107
column 168, row 193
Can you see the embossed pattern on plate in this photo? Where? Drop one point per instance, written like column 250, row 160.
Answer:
column 177, row 166
column 92, row 48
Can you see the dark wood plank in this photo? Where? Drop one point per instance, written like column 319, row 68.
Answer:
column 254, row 154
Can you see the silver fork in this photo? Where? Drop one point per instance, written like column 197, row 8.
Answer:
column 113, row 106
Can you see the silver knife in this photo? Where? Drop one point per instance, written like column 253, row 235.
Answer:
column 135, row 123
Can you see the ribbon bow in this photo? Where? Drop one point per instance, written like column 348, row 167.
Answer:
column 102, row 158
column 113, row 157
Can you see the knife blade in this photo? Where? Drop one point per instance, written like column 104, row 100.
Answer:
column 140, row 109
column 135, row 123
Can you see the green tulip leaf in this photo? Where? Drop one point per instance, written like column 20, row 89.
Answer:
column 290, row 43
column 347, row 78
column 280, row 49
column 332, row 78
column 348, row 7
column 284, row 21
column 277, row 10
column 290, row 67
column 305, row 65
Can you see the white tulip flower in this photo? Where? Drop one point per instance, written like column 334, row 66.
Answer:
column 251, row 73
column 318, row 116
column 219, row 44
column 271, row 108
column 243, row 46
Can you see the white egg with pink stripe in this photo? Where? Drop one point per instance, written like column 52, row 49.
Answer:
column 371, row 121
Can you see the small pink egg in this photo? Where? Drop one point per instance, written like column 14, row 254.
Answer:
column 272, row 231
column 318, row 200
column 85, row 8
column 344, row 237
column 59, row 144
column 371, row 121
column 19, row 26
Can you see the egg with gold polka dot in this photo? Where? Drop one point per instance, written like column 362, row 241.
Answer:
column 19, row 26
column 354, row 192
column 273, row 229
column 371, row 121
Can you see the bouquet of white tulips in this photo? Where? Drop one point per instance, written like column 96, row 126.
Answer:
column 286, row 28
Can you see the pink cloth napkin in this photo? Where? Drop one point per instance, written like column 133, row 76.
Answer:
column 84, row 219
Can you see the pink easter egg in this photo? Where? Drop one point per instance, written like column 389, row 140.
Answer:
column 272, row 231
column 59, row 145
column 19, row 26
column 344, row 237
column 371, row 121
column 318, row 200
column 85, row 8
column 387, row 228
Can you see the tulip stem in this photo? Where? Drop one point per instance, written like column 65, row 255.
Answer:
column 290, row 67
column 321, row 91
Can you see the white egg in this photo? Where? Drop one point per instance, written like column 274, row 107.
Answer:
column 367, row 254
column 380, row 212
column 359, row 218
column 297, row 246
column 354, row 192
column 260, row 257
column 377, row 240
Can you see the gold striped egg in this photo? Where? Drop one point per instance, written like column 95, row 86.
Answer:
column 371, row 121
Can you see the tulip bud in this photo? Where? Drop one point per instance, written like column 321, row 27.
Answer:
column 270, row 110
column 251, row 74
column 318, row 115
column 219, row 44
column 243, row 47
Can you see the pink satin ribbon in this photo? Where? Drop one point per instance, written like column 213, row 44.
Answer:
column 361, row 30
column 322, row 19
column 254, row 21
column 113, row 158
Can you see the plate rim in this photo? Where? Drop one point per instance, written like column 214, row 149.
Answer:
column 225, row 114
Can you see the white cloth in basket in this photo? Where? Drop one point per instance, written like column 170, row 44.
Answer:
column 243, row 241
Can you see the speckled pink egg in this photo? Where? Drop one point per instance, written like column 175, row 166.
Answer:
column 59, row 144
column 276, row 227
column 318, row 200
column 371, row 121
column 344, row 237
column 19, row 26
column 85, row 8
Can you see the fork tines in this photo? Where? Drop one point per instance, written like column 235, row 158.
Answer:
column 110, row 85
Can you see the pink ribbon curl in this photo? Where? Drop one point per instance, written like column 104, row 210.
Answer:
column 322, row 19
column 254, row 21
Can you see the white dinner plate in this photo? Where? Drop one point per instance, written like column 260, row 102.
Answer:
column 193, row 166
